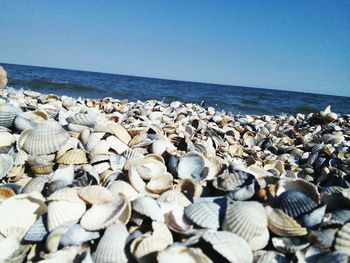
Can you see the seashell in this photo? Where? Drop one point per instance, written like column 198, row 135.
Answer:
column 86, row 119
column 94, row 138
column 248, row 220
column 6, row 139
column 338, row 217
column 269, row 257
column 160, row 183
column 189, row 188
column 182, row 254
column 336, row 257
column 214, row 166
column 120, row 132
column 289, row 245
column 38, row 231
column 53, row 239
column 281, row 224
column 315, row 217
column 191, row 166
column 95, row 194
column 121, row 187
column 117, row 162
column 101, row 167
column 100, row 216
column 21, row 158
column 21, row 212
column 204, row 214
column 101, row 147
column 6, row 193
column 29, row 119
column 8, row 247
column 8, row 113
column 242, row 193
column 36, row 184
column 61, row 212
column 231, row 246
column 148, row 168
column 116, row 144
column 76, row 235
column 342, row 239
column 295, row 203
column 298, row 185
column 148, row 207
column 72, row 143
column 323, row 239
column 66, row 194
column 74, row 156
column 172, row 199
column 112, row 244
column 45, row 138
column 176, row 220
column 6, row 163
column 160, row 146
column 66, row 175
column 144, row 248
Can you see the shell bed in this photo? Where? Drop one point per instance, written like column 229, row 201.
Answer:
column 107, row 180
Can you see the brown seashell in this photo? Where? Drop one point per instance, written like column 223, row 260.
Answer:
column 74, row 156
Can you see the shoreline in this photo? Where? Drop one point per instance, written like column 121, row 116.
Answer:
column 89, row 171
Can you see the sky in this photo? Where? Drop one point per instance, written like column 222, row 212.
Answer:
column 287, row 45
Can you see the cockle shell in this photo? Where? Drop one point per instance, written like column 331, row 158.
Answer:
column 148, row 207
column 295, row 203
column 74, row 156
column 111, row 247
column 160, row 184
column 95, row 194
column 191, row 166
column 66, row 194
column 6, row 193
column 8, row 113
column 172, row 199
column 29, row 119
column 121, row 187
column 86, row 119
column 248, row 220
column 6, row 163
column 45, row 138
column 342, row 239
column 94, row 138
column 182, row 254
column 76, row 235
column 204, row 214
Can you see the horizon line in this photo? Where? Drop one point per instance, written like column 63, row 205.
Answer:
column 190, row 81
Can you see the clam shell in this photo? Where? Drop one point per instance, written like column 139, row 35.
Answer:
column 77, row 235
column 45, row 138
column 86, row 119
column 120, row 132
column 148, row 207
column 342, row 239
column 61, row 212
column 116, row 144
column 248, row 220
column 6, row 163
column 289, row 245
column 95, row 194
column 100, row 216
column 182, row 254
column 74, row 156
column 8, row 113
column 283, row 225
column 191, row 166
column 295, row 203
column 204, row 214
column 160, row 183
column 112, row 244
column 230, row 246
column 121, row 187
column 6, row 139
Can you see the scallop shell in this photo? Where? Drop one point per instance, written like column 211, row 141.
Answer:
column 61, row 212
column 204, row 214
column 112, row 244
column 38, row 231
column 66, row 194
column 182, row 254
column 148, row 207
column 6, row 193
column 342, row 239
column 191, row 166
column 6, row 163
column 74, row 156
column 230, row 246
column 94, row 138
column 100, row 216
column 8, row 113
column 47, row 137
column 95, row 194
column 117, row 162
column 248, row 220
column 86, row 119
column 283, row 225
column 295, row 203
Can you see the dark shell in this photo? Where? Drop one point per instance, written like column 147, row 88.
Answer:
column 294, row 203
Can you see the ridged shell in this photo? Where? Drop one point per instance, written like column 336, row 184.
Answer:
column 120, row 132
column 86, row 119
column 172, row 199
column 144, row 247
column 66, row 194
column 95, row 194
column 298, row 185
column 47, row 137
column 191, row 166
column 182, row 254
column 334, row 257
column 248, row 220
column 61, row 212
column 100, row 216
column 295, row 203
column 6, row 163
column 148, row 207
column 116, row 144
column 339, row 217
column 283, row 225
column 94, row 138
column 38, row 231
column 204, row 214
column 29, row 119
column 77, row 235
column 342, row 239
column 117, row 162
column 74, row 156
column 229, row 245
column 112, row 244
column 6, row 193
column 8, row 113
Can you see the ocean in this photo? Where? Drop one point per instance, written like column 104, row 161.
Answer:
column 234, row 99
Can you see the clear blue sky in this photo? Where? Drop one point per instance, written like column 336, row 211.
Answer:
column 291, row 45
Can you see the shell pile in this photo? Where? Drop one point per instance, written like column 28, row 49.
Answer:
column 108, row 180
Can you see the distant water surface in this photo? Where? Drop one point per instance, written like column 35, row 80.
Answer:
column 235, row 99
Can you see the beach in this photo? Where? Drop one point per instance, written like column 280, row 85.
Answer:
column 112, row 180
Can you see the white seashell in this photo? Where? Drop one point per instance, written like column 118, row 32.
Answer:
column 36, row 184
column 6, row 139
column 95, row 194
column 101, row 147
column 94, row 138
column 116, row 144
column 86, row 119
column 120, row 132
column 64, row 174
column 21, row 158
column 148, row 168
column 66, row 194
column 160, row 183
column 45, row 138
column 148, row 207
column 172, row 199
column 182, row 254
column 121, row 187
column 61, row 212
column 102, row 167
column 29, row 119
column 74, row 156
column 112, row 244
column 8, row 113
column 204, row 214
column 248, row 220
column 6, row 163
column 117, row 162
column 8, row 247
column 177, row 221
column 77, row 235
column 191, row 166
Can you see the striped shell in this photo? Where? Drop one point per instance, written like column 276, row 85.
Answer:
column 38, row 231
column 229, row 245
column 248, row 220
column 120, row 132
column 342, row 239
column 86, row 119
column 204, row 214
column 6, row 193
column 8, row 113
column 6, row 163
column 112, row 244
column 191, row 166
column 47, row 137
column 74, row 156
column 29, row 119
